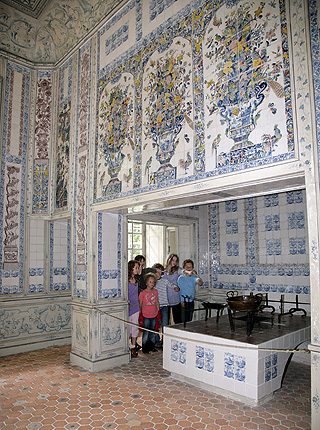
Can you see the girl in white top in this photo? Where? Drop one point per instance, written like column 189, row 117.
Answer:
column 172, row 273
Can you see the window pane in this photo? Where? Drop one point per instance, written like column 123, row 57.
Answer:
column 137, row 240
column 136, row 252
column 137, row 228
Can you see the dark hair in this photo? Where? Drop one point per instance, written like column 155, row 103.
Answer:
column 169, row 260
column 140, row 257
column 131, row 265
column 158, row 266
column 150, row 275
column 188, row 261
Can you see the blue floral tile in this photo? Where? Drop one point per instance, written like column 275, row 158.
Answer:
column 228, row 371
column 268, row 362
column 209, row 360
column 297, row 246
column 271, row 200
column 294, row 197
column 235, row 367
column 182, row 352
column 267, row 375
column 274, row 359
column 174, row 350
column 199, row 357
column 274, row 372
column 240, row 375
column 232, row 249
column 232, row 226
column 271, row 367
column 231, row 206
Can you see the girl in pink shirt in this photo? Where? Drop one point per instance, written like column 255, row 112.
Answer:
column 149, row 306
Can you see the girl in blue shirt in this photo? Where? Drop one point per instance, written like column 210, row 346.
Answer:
column 187, row 283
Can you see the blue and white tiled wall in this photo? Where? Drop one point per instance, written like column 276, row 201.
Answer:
column 215, row 134
column 178, row 351
column 204, row 358
column 109, row 255
column 60, row 233
column 261, row 245
column 37, row 256
column 203, row 249
column 235, row 366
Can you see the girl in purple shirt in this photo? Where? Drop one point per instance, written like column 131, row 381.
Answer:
column 134, row 309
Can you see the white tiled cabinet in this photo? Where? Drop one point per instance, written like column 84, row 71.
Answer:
column 234, row 369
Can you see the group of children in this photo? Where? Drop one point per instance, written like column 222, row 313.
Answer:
column 154, row 292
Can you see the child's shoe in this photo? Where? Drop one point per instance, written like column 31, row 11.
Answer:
column 134, row 352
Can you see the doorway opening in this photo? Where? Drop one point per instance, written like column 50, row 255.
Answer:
column 156, row 239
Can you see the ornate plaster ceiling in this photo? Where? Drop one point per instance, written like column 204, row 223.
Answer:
column 44, row 31
column 30, row 7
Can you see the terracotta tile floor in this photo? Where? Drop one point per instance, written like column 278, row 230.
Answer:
column 42, row 390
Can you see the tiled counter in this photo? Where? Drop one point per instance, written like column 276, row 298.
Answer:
column 211, row 356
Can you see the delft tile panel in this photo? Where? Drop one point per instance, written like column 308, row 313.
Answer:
column 271, row 367
column 179, row 351
column 34, row 320
column 118, row 34
column 109, row 261
column 81, row 174
column 232, row 232
column 155, row 13
column 115, row 168
column 13, row 172
column 172, row 90
column 81, row 324
column 190, row 118
column 235, row 367
column 246, row 99
column 60, row 257
column 111, row 332
column 36, row 256
column 204, row 359
column 271, row 233
column 40, row 197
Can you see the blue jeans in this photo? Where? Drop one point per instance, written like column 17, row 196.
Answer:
column 148, row 338
column 164, row 320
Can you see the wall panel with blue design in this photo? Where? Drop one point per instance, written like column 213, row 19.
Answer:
column 60, row 255
column 37, row 256
column 261, row 245
column 200, row 89
column 109, row 255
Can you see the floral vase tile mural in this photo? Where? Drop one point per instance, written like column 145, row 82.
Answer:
column 246, row 82
column 115, row 137
column 167, row 140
